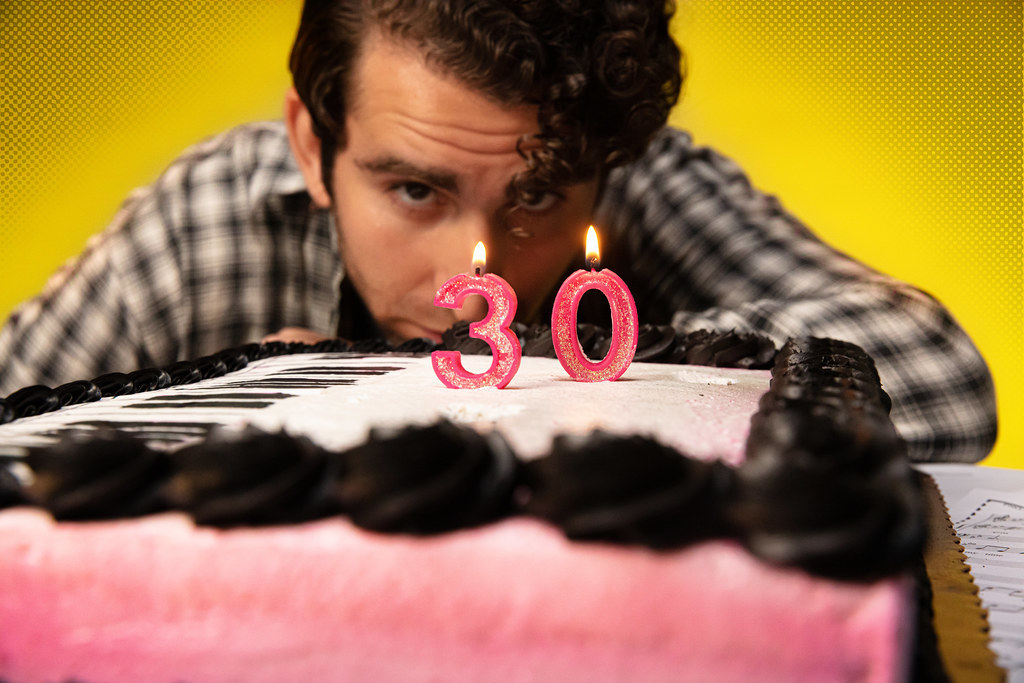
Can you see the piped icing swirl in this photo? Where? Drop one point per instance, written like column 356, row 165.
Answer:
column 107, row 475
column 6, row 411
column 252, row 478
column 656, row 344
column 826, row 484
column 726, row 349
column 627, row 490
column 427, row 480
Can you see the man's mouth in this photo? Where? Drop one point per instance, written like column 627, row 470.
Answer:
column 432, row 335
column 414, row 330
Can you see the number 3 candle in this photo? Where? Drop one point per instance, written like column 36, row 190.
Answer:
column 625, row 326
column 493, row 329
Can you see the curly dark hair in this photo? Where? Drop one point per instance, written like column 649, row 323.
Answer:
column 603, row 73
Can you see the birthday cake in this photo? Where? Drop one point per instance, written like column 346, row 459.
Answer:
column 287, row 512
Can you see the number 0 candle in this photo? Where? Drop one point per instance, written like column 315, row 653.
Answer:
column 625, row 326
column 493, row 329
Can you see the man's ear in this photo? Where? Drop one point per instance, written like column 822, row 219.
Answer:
column 305, row 146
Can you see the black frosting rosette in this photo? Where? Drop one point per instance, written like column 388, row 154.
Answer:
column 426, row 480
column 253, row 478
column 626, row 489
column 104, row 475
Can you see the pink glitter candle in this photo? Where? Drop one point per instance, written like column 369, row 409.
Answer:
column 625, row 325
column 506, row 353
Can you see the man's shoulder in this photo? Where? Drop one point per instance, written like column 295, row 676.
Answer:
column 255, row 154
column 667, row 153
column 667, row 150
column 669, row 140
column 242, row 179
column 673, row 155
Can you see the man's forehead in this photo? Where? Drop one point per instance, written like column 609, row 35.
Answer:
column 392, row 71
column 409, row 119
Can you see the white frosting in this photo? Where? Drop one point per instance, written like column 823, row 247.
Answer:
column 704, row 412
column 706, row 415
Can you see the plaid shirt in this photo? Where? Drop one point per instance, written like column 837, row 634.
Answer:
column 226, row 247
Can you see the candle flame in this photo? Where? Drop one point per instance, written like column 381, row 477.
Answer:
column 593, row 252
column 479, row 258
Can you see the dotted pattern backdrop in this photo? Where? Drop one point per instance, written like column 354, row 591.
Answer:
column 98, row 97
column 893, row 129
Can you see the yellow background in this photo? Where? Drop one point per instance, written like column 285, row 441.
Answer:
column 893, row 129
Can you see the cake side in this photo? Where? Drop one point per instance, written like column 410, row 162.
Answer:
column 159, row 599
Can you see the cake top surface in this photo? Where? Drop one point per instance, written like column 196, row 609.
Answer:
column 703, row 412
column 336, row 399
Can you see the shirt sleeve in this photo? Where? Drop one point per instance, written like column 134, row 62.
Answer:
column 708, row 251
column 87, row 320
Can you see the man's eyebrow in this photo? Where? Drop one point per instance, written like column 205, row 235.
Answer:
column 438, row 178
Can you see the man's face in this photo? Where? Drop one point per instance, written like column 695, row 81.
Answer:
column 423, row 176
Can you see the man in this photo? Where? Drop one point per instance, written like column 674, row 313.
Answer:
column 417, row 128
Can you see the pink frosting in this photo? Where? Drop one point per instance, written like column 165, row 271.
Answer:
column 159, row 600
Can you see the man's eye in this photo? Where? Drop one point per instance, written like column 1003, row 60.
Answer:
column 413, row 193
column 540, row 203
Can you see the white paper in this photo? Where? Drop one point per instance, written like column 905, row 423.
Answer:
column 986, row 506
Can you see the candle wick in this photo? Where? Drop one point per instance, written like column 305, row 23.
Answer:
column 478, row 271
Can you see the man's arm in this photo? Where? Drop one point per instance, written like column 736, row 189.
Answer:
column 714, row 253
column 91, row 316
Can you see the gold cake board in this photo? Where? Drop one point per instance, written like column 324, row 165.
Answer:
column 961, row 626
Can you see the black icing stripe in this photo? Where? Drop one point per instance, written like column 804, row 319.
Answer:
column 286, row 383
column 184, row 397
column 343, row 370
column 205, row 404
